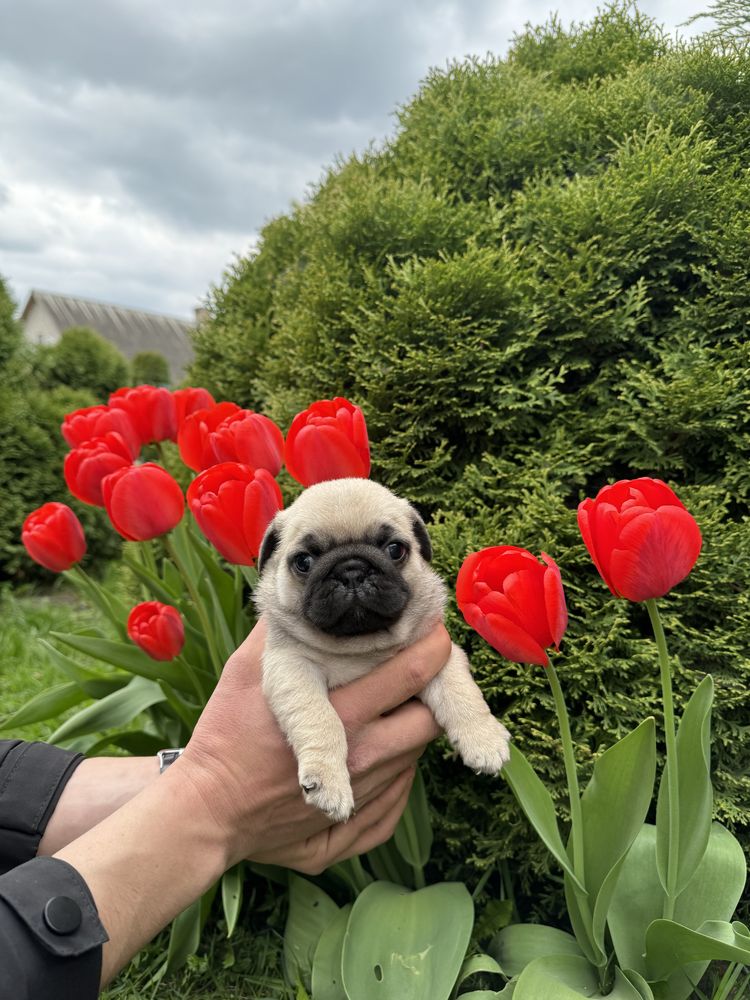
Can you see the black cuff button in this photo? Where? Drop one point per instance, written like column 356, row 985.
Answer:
column 62, row 915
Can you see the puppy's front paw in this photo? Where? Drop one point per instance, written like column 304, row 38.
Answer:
column 328, row 789
column 485, row 747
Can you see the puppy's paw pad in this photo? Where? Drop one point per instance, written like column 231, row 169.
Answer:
column 335, row 802
column 487, row 748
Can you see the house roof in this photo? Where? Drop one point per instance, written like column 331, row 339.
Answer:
column 130, row 330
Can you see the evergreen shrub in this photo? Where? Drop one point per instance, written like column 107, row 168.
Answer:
column 539, row 284
column 150, row 368
column 83, row 359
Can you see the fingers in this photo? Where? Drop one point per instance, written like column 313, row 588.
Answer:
column 393, row 683
column 409, row 728
column 380, row 829
column 377, row 819
column 371, row 785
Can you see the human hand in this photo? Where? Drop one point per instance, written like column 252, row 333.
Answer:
column 245, row 772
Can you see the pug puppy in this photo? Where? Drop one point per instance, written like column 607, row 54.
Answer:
column 345, row 583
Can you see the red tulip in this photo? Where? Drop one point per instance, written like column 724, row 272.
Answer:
column 195, row 437
column 233, row 506
column 157, row 628
column 189, row 400
column 513, row 601
column 328, row 441
column 251, row 439
column 642, row 539
column 86, row 466
column 143, row 501
column 53, row 537
column 81, row 426
column 153, row 411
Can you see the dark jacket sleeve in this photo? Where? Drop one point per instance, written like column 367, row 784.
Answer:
column 50, row 932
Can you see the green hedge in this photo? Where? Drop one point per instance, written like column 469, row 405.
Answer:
column 541, row 283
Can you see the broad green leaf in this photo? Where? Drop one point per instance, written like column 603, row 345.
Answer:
column 695, row 789
column 95, row 685
column 568, row 977
column 582, row 923
column 128, row 657
column 220, row 582
column 671, row 945
column 712, row 894
column 184, row 936
column 231, row 895
column 115, row 710
column 310, row 912
column 388, row 865
column 483, row 995
column 402, row 944
column 518, row 945
column 537, row 803
column 172, row 579
column 476, row 964
column 138, row 744
column 413, row 835
column 54, row 701
column 158, row 589
column 326, row 971
column 640, row 983
column 613, row 807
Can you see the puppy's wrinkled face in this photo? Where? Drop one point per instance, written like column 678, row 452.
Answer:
column 345, row 557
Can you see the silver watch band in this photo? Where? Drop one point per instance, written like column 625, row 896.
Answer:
column 167, row 757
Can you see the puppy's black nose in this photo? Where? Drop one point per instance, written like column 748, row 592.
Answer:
column 352, row 570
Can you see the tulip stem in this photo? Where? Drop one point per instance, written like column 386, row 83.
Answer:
column 571, row 774
column 196, row 599
column 673, row 789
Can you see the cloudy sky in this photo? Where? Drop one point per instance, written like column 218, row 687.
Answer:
column 143, row 144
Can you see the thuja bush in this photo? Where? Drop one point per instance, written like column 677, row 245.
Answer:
column 538, row 284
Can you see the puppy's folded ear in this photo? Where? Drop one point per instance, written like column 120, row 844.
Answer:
column 421, row 536
column 267, row 546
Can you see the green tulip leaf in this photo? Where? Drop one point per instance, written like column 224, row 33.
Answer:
column 326, row 970
column 695, row 789
column 45, row 705
column 413, row 835
column 518, row 945
column 406, row 944
column 138, row 744
column 640, row 983
column 128, row 657
column 232, row 882
column 671, row 946
column 388, row 865
column 613, row 807
column 537, row 803
column 117, row 709
column 568, row 977
column 638, row 900
column 476, row 964
column 484, row 995
column 158, row 589
column 94, row 684
column 310, row 911
column 184, row 936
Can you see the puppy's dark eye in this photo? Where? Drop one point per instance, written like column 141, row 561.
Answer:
column 302, row 562
column 396, row 550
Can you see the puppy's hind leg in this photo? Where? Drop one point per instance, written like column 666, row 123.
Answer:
column 298, row 695
column 459, row 707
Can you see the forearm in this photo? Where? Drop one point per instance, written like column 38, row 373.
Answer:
column 148, row 861
column 97, row 788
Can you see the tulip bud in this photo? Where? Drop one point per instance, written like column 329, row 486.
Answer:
column 195, row 437
column 53, row 537
column 81, row 426
column 189, row 400
column 143, row 501
column 642, row 539
column 87, row 465
column 153, row 411
column 157, row 628
column 328, row 441
column 233, row 506
column 513, row 601
column 251, row 439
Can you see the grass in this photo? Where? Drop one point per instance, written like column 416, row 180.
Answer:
column 246, row 968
